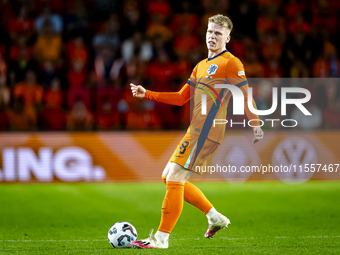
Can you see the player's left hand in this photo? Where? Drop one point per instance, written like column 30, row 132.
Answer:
column 258, row 133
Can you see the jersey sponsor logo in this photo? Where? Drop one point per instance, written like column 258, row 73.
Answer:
column 240, row 73
column 212, row 69
column 176, row 156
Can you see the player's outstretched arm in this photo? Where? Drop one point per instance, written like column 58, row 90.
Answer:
column 174, row 98
column 137, row 90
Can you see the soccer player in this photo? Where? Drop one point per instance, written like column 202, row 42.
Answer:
column 202, row 137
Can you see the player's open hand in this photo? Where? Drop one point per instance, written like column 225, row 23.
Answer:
column 137, row 90
column 258, row 133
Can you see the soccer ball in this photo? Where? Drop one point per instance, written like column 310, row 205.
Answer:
column 121, row 234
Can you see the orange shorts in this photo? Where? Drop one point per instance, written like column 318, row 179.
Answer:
column 193, row 151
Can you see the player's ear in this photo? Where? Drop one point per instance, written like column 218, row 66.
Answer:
column 228, row 36
column 228, row 39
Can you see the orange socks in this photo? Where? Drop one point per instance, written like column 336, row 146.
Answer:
column 172, row 206
column 195, row 196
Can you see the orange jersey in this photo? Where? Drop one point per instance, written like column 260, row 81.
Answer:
column 221, row 69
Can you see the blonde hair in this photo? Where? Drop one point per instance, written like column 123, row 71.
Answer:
column 221, row 20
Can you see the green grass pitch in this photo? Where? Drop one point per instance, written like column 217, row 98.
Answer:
column 266, row 217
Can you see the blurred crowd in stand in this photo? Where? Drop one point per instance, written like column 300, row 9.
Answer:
column 67, row 64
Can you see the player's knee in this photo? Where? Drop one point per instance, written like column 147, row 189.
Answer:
column 166, row 170
column 164, row 179
column 178, row 174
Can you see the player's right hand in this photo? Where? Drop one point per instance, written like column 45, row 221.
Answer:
column 137, row 90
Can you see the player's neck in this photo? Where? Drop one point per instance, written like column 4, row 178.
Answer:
column 212, row 54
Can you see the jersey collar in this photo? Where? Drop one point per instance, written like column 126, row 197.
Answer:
column 217, row 55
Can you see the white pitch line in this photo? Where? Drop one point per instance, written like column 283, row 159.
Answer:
column 179, row 239
column 251, row 238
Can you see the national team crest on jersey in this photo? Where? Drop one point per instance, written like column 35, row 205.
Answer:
column 212, row 69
